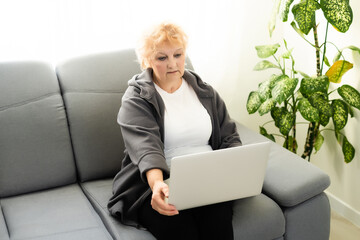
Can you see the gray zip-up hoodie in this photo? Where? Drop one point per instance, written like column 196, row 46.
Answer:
column 141, row 118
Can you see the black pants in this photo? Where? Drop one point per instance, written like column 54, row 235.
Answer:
column 212, row 222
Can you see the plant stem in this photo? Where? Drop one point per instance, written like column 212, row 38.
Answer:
column 294, row 144
column 318, row 66
column 332, row 91
column 267, row 122
column 330, row 129
column 313, row 129
column 279, row 64
column 323, row 58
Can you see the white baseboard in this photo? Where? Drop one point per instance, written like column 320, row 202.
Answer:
column 344, row 209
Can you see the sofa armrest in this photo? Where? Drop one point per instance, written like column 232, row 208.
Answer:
column 289, row 179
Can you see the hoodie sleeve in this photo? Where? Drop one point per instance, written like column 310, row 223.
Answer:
column 141, row 133
column 228, row 132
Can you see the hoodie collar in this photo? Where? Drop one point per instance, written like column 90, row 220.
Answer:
column 144, row 82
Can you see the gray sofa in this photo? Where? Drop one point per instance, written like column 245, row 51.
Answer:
column 60, row 147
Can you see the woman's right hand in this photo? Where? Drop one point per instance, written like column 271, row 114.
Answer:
column 160, row 191
column 158, row 199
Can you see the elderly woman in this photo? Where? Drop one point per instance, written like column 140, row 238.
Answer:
column 168, row 111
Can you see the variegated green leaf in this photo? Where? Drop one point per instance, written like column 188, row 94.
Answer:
column 274, row 14
column 307, row 111
column 312, row 85
column 350, row 95
column 318, row 142
column 286, row 122
column 337, row 70
column 265, row 51
column 264, row 90
column 340, row 113
column 284, row 9
column 304, row 14
column 275, row 114
column 283, row 89
column 265, row 64
column 266, row 86
column 293, row 24
column 324, row 120
column 276, row 78
column 320, row 102
column 266, row 106
column 348, row 150
column 253, row 102
column 264, row 133
column 338, row 13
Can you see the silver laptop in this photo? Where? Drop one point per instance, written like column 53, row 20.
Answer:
column 217, row 176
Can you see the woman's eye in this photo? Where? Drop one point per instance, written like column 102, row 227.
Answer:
column 161, row 58
column 178, row 55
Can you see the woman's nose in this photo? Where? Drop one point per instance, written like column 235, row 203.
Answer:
column 172, row 63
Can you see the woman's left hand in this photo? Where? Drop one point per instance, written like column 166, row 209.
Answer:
column 158, row 199
column 160, row 191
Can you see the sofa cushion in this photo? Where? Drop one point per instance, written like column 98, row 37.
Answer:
column 289, row 179
column 92, row 87
column 61, row 213
column 23, row 82
column 4, row 235
column 99, row 193
column 254, row 218
column 35, row 149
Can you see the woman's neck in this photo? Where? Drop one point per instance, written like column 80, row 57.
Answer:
column 168, row 86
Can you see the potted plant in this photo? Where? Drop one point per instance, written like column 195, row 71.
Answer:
column 291, row 91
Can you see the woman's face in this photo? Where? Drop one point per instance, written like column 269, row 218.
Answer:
column 168, row 63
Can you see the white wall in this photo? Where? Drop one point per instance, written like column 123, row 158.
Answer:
column 239, row 80
column 344, row 192
column 223, row 34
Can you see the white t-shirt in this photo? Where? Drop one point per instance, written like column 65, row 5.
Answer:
column 187, row 123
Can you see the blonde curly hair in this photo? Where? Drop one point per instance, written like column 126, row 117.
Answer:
column 162, row 33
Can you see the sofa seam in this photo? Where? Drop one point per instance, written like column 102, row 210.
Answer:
column 6, row 225
column 58, row 233
column 309, row 195
column 88, row 195
column 92, row 91
column 31, row 100
column 95, row 213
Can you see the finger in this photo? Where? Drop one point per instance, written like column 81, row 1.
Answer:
column 163, row 208
column 167, row 212
column 160, row 203
column 165, row 191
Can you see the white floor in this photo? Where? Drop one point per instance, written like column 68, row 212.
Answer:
column 342, row 229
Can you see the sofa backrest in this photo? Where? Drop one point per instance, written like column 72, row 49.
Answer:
column 35, row 147
column 92, row 88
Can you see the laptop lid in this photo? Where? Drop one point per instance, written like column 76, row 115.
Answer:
column 217, row 176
